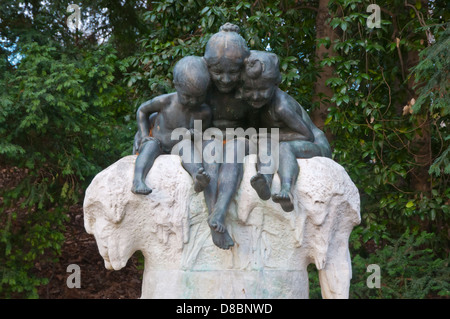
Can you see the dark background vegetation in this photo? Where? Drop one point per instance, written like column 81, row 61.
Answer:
column 67, row 111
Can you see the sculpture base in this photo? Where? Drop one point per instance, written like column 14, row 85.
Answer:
column 272, row 248
column 225, row 284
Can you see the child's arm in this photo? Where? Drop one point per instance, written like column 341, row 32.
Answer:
column 145, row 109
column 286, row 113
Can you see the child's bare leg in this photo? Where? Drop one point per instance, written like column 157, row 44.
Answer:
column 210, row 191
column 230, row 176
column 288, row 172
column 262, row 181
column 222, row 240
column 212, row 169
column 195, row 168
column 148, row 152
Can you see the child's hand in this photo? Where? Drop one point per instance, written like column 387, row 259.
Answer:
column 138, row 138
column 137, row 143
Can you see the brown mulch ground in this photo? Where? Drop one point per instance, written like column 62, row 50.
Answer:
column 97, row 282
column 80, row 248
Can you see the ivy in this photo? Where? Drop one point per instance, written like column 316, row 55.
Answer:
column 373, row 133
column 61, row 110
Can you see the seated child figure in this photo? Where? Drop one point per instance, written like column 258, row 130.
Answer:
column 299, row 137
column 174, row 110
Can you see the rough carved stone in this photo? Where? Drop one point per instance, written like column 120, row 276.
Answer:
column 273, row 248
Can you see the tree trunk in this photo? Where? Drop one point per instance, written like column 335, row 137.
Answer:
column 420, row 145
column 321, row 90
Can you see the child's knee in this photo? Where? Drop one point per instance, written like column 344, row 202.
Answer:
column 285, row 148
column 149, row 143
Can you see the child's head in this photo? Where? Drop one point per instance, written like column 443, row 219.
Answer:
column 191, row 80
column 225, row 54
column 260, row 78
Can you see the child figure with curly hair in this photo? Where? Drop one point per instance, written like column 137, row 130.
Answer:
column 298, row 137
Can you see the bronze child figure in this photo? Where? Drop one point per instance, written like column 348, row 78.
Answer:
column 225, row 53
column 299, row 137
column 174, row 110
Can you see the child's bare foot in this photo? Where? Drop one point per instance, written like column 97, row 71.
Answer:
column 219, row 233
column 201, row 180
column 259, row 183
column 139, row 188
column 217, row 222
column 284, row 198
column 222, row 240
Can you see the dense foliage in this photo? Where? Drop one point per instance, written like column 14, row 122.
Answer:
column 68, row 99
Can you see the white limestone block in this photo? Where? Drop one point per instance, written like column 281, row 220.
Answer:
column 272, row 248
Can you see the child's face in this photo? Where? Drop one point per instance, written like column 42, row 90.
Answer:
column 225, row 75
column 258, row 92
column 190, row 97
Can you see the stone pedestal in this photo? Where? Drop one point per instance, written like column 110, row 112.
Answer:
column 272, row 248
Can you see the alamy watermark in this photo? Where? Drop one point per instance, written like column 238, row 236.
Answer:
column 374, row 280
column 74, row 20
column 74, row 280
column 237, row 143
column 374, row 20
